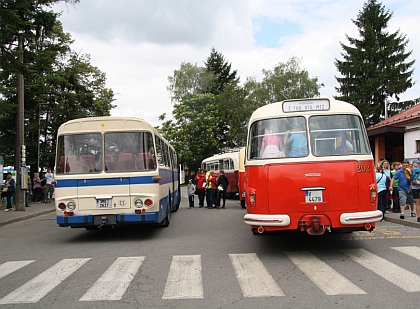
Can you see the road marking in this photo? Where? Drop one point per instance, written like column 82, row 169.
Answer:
column 412, row 251
column 395, row 274
column 325, row 277
column 41, row 285
column 9, row 267
column 184, row 278
column 115, row 280
column 253, row 277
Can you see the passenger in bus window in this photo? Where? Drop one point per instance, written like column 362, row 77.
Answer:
column 271, row 145
column 297, row 141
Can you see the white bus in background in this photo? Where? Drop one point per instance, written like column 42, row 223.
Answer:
column 114, row 171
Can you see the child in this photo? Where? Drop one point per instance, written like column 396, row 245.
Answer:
column 191, row 192
column 297, row 141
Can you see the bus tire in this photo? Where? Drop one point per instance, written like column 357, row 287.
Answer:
column 165, row 222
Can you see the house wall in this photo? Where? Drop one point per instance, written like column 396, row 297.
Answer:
column 412, row 134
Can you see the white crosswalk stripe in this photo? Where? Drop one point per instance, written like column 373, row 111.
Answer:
column 412, row 251
column 324, row 276
column 253, row 277
column 184, row 278
column 115, row 280
column 41, row 285
column 10, row 267
column 395, row 274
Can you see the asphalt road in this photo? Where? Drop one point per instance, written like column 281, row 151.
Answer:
column 206, row 258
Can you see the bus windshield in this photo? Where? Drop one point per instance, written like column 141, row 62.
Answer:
column 328, row 135
column 111, row 152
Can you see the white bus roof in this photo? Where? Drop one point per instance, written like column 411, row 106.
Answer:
column 275, row 109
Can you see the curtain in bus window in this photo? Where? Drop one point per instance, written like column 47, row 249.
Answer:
column 337, row 135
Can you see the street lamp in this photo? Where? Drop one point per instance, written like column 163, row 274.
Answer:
column 39, row 130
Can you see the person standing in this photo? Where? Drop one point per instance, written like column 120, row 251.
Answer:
column 382, row 191
column 48, row 188
column 191, row 192
column 223, row 183
column 28, row 191
column 394, row 190
column 36, row 187
column 208, row 189
column 404, row 187
column 11, row 187
column 387, row 172
column 200, row 180
column 416, row 186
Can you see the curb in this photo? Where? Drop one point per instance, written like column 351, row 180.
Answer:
column 40, row 213
column 403, row 222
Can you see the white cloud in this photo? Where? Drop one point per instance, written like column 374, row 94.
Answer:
column 139, row 43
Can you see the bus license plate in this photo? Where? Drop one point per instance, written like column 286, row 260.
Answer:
column 104, row 203
column 313, row 196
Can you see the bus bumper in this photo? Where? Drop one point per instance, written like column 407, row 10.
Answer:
column 350, row 218
column 116, row 219
column 267, row 220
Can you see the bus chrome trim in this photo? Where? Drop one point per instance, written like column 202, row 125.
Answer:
column 361, row 217
column 267, row 220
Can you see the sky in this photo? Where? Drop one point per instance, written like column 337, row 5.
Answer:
column 139, row 43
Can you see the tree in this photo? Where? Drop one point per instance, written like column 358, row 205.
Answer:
column 190, row 79
column 288, row 81
column 59, row 84
column 374, row 67
column 221, row 71
column 193, row 132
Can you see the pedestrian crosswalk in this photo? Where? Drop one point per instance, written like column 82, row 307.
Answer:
column 185, row 275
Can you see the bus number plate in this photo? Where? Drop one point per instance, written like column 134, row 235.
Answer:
column 313, row 196
column 104, row 203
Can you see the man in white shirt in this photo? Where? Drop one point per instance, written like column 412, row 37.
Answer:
column 48, row 188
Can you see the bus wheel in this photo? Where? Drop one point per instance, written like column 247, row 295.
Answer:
column 165, row 222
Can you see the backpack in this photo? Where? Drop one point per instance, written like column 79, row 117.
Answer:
column 43, row 181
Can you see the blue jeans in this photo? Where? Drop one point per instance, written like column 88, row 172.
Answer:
column 191, row 200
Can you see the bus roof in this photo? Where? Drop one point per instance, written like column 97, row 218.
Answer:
column 275, row 109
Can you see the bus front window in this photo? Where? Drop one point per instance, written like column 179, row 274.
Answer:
column 278, row 138
column 337, row 135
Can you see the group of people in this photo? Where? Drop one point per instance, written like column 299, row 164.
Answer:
column 399, row 185
column 209, row 187
column 39, row 189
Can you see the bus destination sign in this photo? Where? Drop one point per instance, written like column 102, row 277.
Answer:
column 305, row 106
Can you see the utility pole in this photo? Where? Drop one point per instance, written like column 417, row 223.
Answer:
column 20, row 152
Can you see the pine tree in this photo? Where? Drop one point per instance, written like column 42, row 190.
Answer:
column 222, row 71
column 374, row 67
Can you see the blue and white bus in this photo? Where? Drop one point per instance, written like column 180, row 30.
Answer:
column 114, row 171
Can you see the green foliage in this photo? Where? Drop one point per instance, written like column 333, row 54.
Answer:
column 194, row 131
column 374, row 67
column 288, row 81
column 221, row 71
column 211, row 110
column 59, row 84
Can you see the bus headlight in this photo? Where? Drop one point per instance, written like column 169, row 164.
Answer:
column 138, row 203
column 71, row 206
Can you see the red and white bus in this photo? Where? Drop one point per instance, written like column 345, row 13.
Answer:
column 229, row 162
column 309, row 167
column 242, row 176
